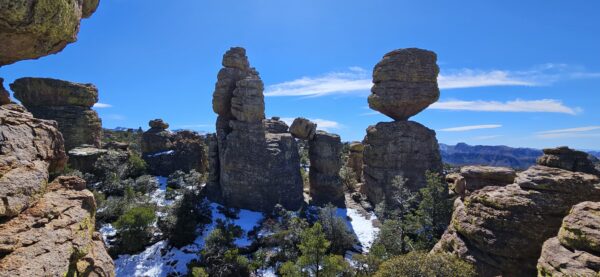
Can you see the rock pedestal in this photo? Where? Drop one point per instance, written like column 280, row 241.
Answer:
column 401, row 148
column 355, row 159
column 256, row 161
column 405, row 83
column 69, row 104
column 501, row 229
column 325, row 152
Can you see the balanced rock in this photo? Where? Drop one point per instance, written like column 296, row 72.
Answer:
column 56, row 236
column 576, row 249
column 30, row 149
column 166, row 152
column 69, row 104
column 400, row 148
column 355, row 159
column 501, row 229
column 405, row 83
column 303, row 128
column 325, row 153
column 33, row 29
column 254, row 162
column 569, row 159
column 4, row 95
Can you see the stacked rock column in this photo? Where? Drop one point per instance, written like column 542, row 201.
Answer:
column 405, row 83
column 325, row 154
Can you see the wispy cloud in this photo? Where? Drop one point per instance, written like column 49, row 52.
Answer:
column 102, row 105
column 357, row 80
column 577, row 132
column 471, row 128
column 543, row 105
column 322, row 124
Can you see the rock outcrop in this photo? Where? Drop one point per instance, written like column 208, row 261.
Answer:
column 256, row 161
column 4, row 95
column 355, row 159
column 166, row 152
column 55, row 237
column 30, row 149
column 576, row 249
column 83, row 158
column 501, row 229
column 401, row 148
column 303, row 128
column 405, row 83
column 472, row 178
column 325, row 153
column 569, row 159
column 33, row 29
column 69, row 104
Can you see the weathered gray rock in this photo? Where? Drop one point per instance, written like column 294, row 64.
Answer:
column 401, row 148
column 501, row 229
column 405, row 83
column 69, row 104
column 55, row 237
column 33, row 29
column 303, row 128
column 157, row 138
column 4, row 95
column 568, row 159
column 472, row 178
column 254, row 162
column 325, row 153
column 158, row 124
column 83, row 158
column 355, row 159
column 575, row 251
column 30, row 149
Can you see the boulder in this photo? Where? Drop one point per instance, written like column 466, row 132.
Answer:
column 576, row 249
column 325, row 153
column 254, row 162
column 83, row 158
column 355, row 159
column 157, row 138
column 501, row 229
column 472, row 178
column 158, row 124
column 303, row 128
column 56, row 236
column 33, row 29
column 69, row 104
column 30, row 149
column 401, row 148
column 405, row 83
column 4, row 95
column 569, row 159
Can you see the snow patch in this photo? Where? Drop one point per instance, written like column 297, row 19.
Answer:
column 360, row 225
column 169, row 152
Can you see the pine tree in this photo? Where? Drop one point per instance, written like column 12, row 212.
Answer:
column 314, row 247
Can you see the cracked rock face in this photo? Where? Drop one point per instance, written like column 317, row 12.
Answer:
column 401, row 148
column 33, row 29
column 405, row 83
column 68, row 103
column 575, row 251
column 325, row 152
column 501, row 229
column 55, row 237
column 4, row 95
column 30, row 148
column 355, row 159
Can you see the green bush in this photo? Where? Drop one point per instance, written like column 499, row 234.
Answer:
column 220, row 257
column 421, row 264
column 348, row 177
column 336, row 231
column 134, row 228
column 137, row 165
column 392, row 238
column 184, row 218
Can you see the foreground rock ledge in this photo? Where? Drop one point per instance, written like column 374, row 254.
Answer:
column 55, row 237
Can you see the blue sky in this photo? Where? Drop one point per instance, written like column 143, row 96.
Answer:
column 517, row 73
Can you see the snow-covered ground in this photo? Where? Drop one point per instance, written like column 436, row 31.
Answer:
column 158, row 196
column 151, row 262
column 361, row 225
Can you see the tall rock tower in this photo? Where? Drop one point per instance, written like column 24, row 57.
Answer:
column 255, row 161
column 405, row 83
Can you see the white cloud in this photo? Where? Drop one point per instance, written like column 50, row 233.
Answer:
column 357, row 80
column 543, row 105
column 471, row 128
column 578, row 132
column 322, row 124
column 102, row 105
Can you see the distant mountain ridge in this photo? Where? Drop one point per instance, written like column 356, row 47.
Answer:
column 464, row 154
